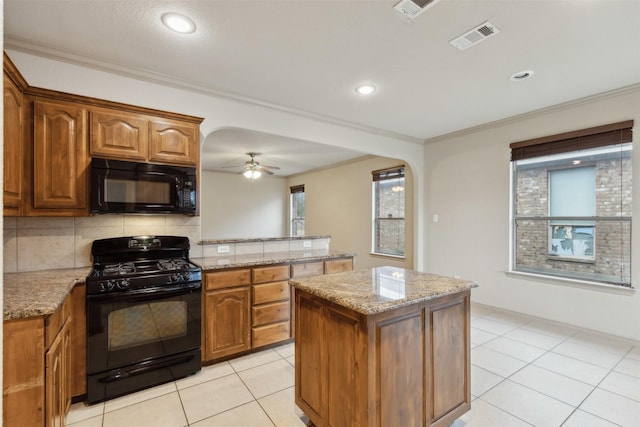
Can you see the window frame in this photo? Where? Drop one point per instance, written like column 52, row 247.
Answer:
column 293, row 190
column 388, row 174
column 563, row 145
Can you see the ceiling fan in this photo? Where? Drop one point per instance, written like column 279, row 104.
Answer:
column 254, row 170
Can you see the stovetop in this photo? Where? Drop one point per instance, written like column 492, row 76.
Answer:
column 141, row 262
column 133, row 268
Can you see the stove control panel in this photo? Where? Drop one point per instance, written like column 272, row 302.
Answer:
column 114, row 284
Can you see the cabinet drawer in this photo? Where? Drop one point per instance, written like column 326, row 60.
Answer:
column 270, row 292
column 270, row 334
column 338, row 265
column 270, row 313
column 270, row 274
column 307, row 269
column 225, row 279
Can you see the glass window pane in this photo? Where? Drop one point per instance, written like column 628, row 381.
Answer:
column 595, row 183
column 388, row 235
column 573, row 192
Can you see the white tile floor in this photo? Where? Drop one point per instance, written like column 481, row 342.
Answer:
column 525, row 372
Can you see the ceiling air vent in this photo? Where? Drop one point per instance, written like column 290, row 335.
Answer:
column 478, row 34
column 413, row 8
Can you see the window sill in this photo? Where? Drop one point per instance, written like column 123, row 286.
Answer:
column 376, row 254
column 574, row 283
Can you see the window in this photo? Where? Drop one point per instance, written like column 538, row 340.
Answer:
column 296, row 203
column 388, row 211
column 572, row 194
column 572, row 205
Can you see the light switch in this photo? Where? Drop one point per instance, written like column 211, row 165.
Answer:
column 435, row 217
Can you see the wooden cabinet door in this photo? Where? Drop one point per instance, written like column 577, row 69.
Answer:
column 60, row 160
column 78, row 352
column 172, row 141
column 54, row 384
column 447, row 326
column 227, row 329
column 118, row 135
column 24, row 372
column 13, row 147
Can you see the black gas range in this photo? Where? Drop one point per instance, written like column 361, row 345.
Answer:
column 143, row 314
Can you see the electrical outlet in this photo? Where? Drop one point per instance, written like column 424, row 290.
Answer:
column 223, row 249
column 306, row 244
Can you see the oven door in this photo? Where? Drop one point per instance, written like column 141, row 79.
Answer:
column 137, row 326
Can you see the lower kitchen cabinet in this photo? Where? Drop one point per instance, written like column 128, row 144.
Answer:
column 227, row 322
column 41, row 366
column 249, row 308
column 227, row 302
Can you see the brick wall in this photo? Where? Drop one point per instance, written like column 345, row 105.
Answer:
column 612, row 238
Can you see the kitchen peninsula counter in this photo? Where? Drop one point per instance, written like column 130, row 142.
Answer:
column 267, row 258
column 38, row 293
column 383, row 346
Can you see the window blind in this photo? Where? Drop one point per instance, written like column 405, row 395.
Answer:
column 390, row 173
column 599, row 136
column 297, row 189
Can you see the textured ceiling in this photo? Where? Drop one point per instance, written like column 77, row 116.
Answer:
column 309, row 55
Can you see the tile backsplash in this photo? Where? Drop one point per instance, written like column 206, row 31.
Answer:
column 33, row 244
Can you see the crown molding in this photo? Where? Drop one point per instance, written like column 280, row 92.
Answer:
column 614, row 93
column 177, row 83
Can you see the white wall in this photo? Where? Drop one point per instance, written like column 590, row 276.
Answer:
column 231, row 206
column 467, row 185
column 338, row 202
column 220, row 113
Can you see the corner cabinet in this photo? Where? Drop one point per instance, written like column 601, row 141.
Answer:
column 42, row 367
column 60, row 158
column 250, row 308
column 14, row 106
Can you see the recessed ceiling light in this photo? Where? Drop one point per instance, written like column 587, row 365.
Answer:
column 521, row 75
column 178, row 23
column 365, row 89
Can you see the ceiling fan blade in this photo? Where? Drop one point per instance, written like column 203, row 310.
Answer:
column 231, row 166
column 271, row 167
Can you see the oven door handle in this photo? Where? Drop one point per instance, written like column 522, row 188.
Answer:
column 148, row 293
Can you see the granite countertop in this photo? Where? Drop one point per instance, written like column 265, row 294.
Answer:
column 381, row 288
column 39, row 293
column 255, row 259
column 259, row 239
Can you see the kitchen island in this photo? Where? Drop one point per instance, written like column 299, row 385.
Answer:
column 382, row 347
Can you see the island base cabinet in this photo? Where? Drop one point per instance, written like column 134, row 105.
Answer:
column 407, row 367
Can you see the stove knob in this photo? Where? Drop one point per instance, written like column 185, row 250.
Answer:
column 124, row 284
column 176, row 278
column 107, row 286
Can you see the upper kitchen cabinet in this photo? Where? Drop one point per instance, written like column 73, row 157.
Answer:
column 174, row 142
column 14, row 106
column 60, row 158
column 119, row 135
column 123, row 135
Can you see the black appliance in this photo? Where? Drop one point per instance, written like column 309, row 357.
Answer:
column 130, row 187
column 143, row 314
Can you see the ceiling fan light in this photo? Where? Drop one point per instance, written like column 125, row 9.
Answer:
column 252, row 174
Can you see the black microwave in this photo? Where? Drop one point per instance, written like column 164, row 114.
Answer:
column 131, row 187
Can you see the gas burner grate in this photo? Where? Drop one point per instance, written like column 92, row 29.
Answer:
column 172, row 264
column 119, row 269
